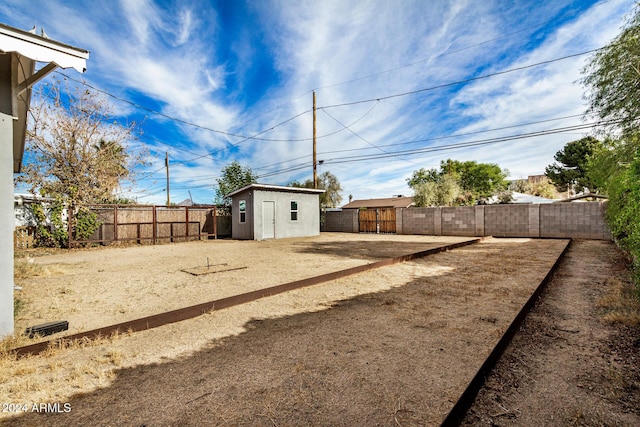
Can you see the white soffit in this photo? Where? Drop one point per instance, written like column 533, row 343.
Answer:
column 25, row 48
column 42, row 49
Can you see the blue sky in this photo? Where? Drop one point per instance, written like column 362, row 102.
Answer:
column 400, row 85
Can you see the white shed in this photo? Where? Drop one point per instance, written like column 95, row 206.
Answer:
column 262, row 211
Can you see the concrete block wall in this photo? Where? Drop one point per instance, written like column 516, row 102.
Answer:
column 345, row 221
column 459, row 221
column 576, row 220
column 416, row 221
column 510, row 222
column 554, row 220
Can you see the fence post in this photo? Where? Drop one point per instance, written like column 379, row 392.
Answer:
column 115, row 223
column 155, row 224
column 215, row 223
column 437, row 220
column 186, row 220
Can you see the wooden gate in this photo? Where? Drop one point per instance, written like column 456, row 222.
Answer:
column 381, row 220
column 387, row 220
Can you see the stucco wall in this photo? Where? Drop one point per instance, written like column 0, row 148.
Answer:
column 242, row 230
column 307, row 223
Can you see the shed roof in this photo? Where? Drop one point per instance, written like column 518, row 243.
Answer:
column 280, row 188
column 25, row 49
column 390, row 202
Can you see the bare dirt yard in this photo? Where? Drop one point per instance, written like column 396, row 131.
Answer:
column 568, row 366
column 392, row 346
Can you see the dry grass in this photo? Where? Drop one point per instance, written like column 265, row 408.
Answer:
column 53, row 373
column 25, row 268
column 621, row 304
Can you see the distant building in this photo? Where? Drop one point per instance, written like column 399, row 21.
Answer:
column 536, row 179
column 390, row 202
column 521, row 198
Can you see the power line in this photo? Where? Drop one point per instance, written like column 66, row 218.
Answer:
column 457, row 135
column 471, row 79
column 302, row 165
column 468, row 144
column 361, row 137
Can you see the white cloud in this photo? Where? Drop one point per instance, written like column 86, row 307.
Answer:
column 173, row 57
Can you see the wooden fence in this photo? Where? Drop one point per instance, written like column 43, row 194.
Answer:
column 24, row 237
column 152, row 224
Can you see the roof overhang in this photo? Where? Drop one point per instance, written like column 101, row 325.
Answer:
column 42, row 49
column 266, row 187
column 21, row 50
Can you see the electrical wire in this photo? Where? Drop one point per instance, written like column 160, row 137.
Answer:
column 459, row 82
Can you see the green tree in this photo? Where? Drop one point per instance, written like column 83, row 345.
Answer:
column 612, row 77
column 442, row 191
column 570, row 173
column 327, row 181
column 479, row 181
column 422, row 176
column 234, row 176
column 475, row 183
column 623, row 210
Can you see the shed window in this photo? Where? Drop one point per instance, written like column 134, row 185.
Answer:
column 294, row 210
column 243, row 210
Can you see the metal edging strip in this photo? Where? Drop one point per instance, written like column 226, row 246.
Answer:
column 185, row 313
column 464, row 402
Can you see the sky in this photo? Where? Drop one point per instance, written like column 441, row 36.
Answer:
column 400, row 85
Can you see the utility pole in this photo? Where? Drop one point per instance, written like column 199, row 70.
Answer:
column 315, row 164
column 166, row 163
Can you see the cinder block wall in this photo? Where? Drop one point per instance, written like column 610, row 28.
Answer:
column 345, row 221
column 510, row 222
column 577, row 220
column 459, row 221
column 416, row 221
column 553, row 220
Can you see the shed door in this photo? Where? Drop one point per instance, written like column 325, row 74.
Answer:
column 268, row 220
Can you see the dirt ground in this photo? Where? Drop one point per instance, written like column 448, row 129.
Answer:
column 104, row 286
column 393, row 346
column 566, row 367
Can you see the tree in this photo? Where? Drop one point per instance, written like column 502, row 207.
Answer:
column 76, row 154
column 76, row 150
column 234, row 177
column 422, row 176
column 613, row 78
column 474, row 183
column 442, row 191
column 520, row 186
column 327, row 181
column 571, row 173
column 479, row 181
column 544, row 188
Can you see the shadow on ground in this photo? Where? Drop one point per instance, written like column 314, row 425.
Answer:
column 368, row 249
column 400, row 356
